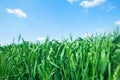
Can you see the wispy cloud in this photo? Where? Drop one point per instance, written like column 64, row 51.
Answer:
column 72, row 1
column 110, row 8
column 91, row 3
column 99, row 30
column 40, row 39
column 117, row 23
column 85, row 35
column 17, row 12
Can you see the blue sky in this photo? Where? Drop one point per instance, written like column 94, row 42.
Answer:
column 36, row 19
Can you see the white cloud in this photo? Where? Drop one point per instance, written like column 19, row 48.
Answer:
column 40, row 39
column 72, row 1
column 86, row 35
column 98, row 30
column 110, row 8
column 17, row 12
column 91, row 3
column 117, row 23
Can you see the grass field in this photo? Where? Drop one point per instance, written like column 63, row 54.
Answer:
column 92, row 58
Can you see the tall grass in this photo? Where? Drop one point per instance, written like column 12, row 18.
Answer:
column 92, row 58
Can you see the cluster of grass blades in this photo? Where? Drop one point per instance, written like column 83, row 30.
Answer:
column 116, row 75
column 92, row 58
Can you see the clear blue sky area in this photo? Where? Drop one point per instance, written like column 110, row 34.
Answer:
column 36, row 19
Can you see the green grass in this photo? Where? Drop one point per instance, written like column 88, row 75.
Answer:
column 92, row 58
